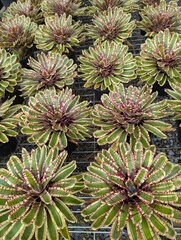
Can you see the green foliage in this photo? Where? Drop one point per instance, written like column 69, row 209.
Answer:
column 175, row 103
column 34, row 194
column 54, row 119
column 27, row 8
column 49, row 70
column 160, row 59
column 70, row 7
column 111, row 25
column 102, row 5
column 159, row 17
column 17, row 34
column 9, row 118
column 34, row 2
column 107, row 65
column 129, row 114
column 9, row 72
column 133, row 190
column 59, row 34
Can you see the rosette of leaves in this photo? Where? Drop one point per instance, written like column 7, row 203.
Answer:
column 26, row 8
column 106, row 65
column 103, row 5
column 49, row 70
column 160, row 17
column 9, row 118
column 134, row 190
column 17, row 34
column 175, row 103
column 70, row 7
column 35, row 194
column 9, row 72
column 111, row 25
column 56, row 119
column 160, row 59
column 129, row 114
column 59, row 34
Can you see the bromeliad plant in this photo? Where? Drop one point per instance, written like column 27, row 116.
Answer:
column 103, row 5
column 160, row 59
column 59, row 34
column 26, row 8
column 133, row 190
column 9, row 72
column 159, row 17
column 129, row 114
column 111, row 25
column 35, row 193
column 56, row 119
column 49, row 70
column 107, row 65
column 9, row 118
column 17, row 34
column 175, row 103
column 70, row 7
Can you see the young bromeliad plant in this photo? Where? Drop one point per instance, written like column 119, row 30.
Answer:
column 49, row 70
column 103, row 5
column 111, row 25
column 129, row 114
column 9, row 118
column 17, row 34
column 160, row 17
column 9, row 72
column 26, row 8
column 134, row 190
column 107, row 65
column 56, row 119
column 59, row 34
column 160, row 59
column 35, row 193
column 70, row 7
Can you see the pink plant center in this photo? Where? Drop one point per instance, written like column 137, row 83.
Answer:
column 61, row 35
column 104, row 67
column 160, row 22
column 47, row 76
column 109, row 30
column 61, row 8
column 15, row 32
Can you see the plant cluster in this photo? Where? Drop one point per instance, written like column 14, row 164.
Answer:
column 159, row 17
column 9, row 118
column 35, row 193
column 111, row 25
column 133, row 189
column 160, row 59
column 9, row 72
column 70, row 7
column 49, row 70
column 129, row 114
column 106, row 65
column 26, row 8
column 59, row 34
column 56, row 119
column 17, row 34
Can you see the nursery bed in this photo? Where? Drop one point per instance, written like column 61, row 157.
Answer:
column 86, row 151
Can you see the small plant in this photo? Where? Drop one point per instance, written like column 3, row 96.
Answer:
column 26, row 8
column 70, row 7
column 9, row 72
column 129, row 114
column 55, row 119
column 35, row 192
column 175, row 103
column 107, row 65
column 59, row 34
column 102, row 5
column 159, row 17
column 49, row 70
column 9, row 119
column 17, row 34
column 111, row 25
column 160, row 59
column 133, row 190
